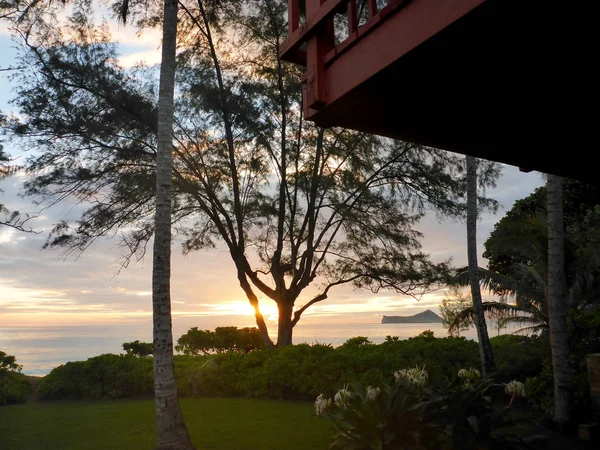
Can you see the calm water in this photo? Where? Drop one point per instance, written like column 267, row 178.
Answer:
column 40, row 349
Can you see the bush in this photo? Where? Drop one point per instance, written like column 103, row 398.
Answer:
column 299, row 372
column 223, row 339
column 519, row 357
column 139, row 349
column 14, row 388
column 104, row 376
column 467, row 414
column 584, row 339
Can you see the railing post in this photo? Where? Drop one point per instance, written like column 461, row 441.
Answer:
column 293, row 16
column 352, row 18
column 316, row 48
column 372, row 4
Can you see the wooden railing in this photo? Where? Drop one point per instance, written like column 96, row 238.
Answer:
column 323, row 30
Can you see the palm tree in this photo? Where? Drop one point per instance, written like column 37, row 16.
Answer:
column 558, row 305
column 528, row 290
column 172, row 433
column 171, row 430
column 485, row 348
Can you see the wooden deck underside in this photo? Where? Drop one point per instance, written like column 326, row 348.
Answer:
column 502, row 82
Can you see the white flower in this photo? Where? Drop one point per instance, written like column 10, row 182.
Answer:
column 469, row 374
column 415, row 376
column 342, row 397
column 321, row 404
column 373, row 393
column 515, row 388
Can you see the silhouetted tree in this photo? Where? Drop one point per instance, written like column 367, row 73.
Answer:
column 558, row 305
column 485, row 348
column 293, row 204
column 139, row 349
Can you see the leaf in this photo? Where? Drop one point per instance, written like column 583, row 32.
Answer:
column 474, row 422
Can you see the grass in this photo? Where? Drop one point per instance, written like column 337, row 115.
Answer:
column 213, row 423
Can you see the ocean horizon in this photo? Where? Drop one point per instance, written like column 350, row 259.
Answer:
column 39, row 349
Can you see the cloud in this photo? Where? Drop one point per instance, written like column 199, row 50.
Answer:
column 43, row 287
column 147, row 57
column 128, row 36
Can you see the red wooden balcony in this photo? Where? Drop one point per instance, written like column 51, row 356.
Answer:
column 507, row 80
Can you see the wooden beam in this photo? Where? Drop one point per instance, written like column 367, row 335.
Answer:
column 314, row 20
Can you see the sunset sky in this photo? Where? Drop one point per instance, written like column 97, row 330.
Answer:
column 42, row 287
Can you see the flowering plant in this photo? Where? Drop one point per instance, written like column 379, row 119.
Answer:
column 410, row 414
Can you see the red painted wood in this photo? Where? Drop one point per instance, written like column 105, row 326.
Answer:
column 364, row 29
column 372, row 4
column 293, row 16
column 316, row 48
column 352, row 18
column 411, row 26
column 315, row 19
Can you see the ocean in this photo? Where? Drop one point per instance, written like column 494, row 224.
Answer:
column 40, row 349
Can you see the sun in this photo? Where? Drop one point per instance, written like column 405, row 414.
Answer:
column 243, row 308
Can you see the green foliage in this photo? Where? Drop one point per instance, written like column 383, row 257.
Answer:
column 14, row 388
column 139, row 349
column 8, row 363
column 452, row 305
column 223, row 339
column 519, row 357
column 299, row 372
column 517, row 248
column 584, row 339
column 381, row 418
column 411, row 415
column 356, row 342
column 104, row 376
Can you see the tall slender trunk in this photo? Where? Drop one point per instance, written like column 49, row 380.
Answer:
column 485, row 348
column 284, row 325
column 171, row 431
column 558, row 306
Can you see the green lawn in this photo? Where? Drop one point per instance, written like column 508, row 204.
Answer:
column 214, row 423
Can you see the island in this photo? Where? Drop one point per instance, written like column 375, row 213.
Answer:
column 424, row 317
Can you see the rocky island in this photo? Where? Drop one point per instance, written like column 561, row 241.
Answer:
column 425, row 317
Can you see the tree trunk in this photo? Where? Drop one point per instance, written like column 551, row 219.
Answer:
column 284, row 325
column 557, row 303
column 171, row 431
column 485, row 348
column 253, row 299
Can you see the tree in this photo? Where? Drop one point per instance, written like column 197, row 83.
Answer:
column 11, row 219
column 223, row 339
column 8, row 363
column 294, row 205
column 485, row 348
column 139, row 349
column 453, row 304
column 517, row 252
column 36, row 18
column 518, row 246
column 529, row 308
column 171, row 430
column 558, row 305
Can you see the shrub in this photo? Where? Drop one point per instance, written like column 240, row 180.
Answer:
column 8, row 363
column 104, row 376
column 519, row 357
column 14, row 388
column 139, row 349
column 223, row 339
column 298, row 372
column 467, row 414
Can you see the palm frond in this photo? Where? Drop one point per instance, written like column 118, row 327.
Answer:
column 491, row 281
column 510, row 314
